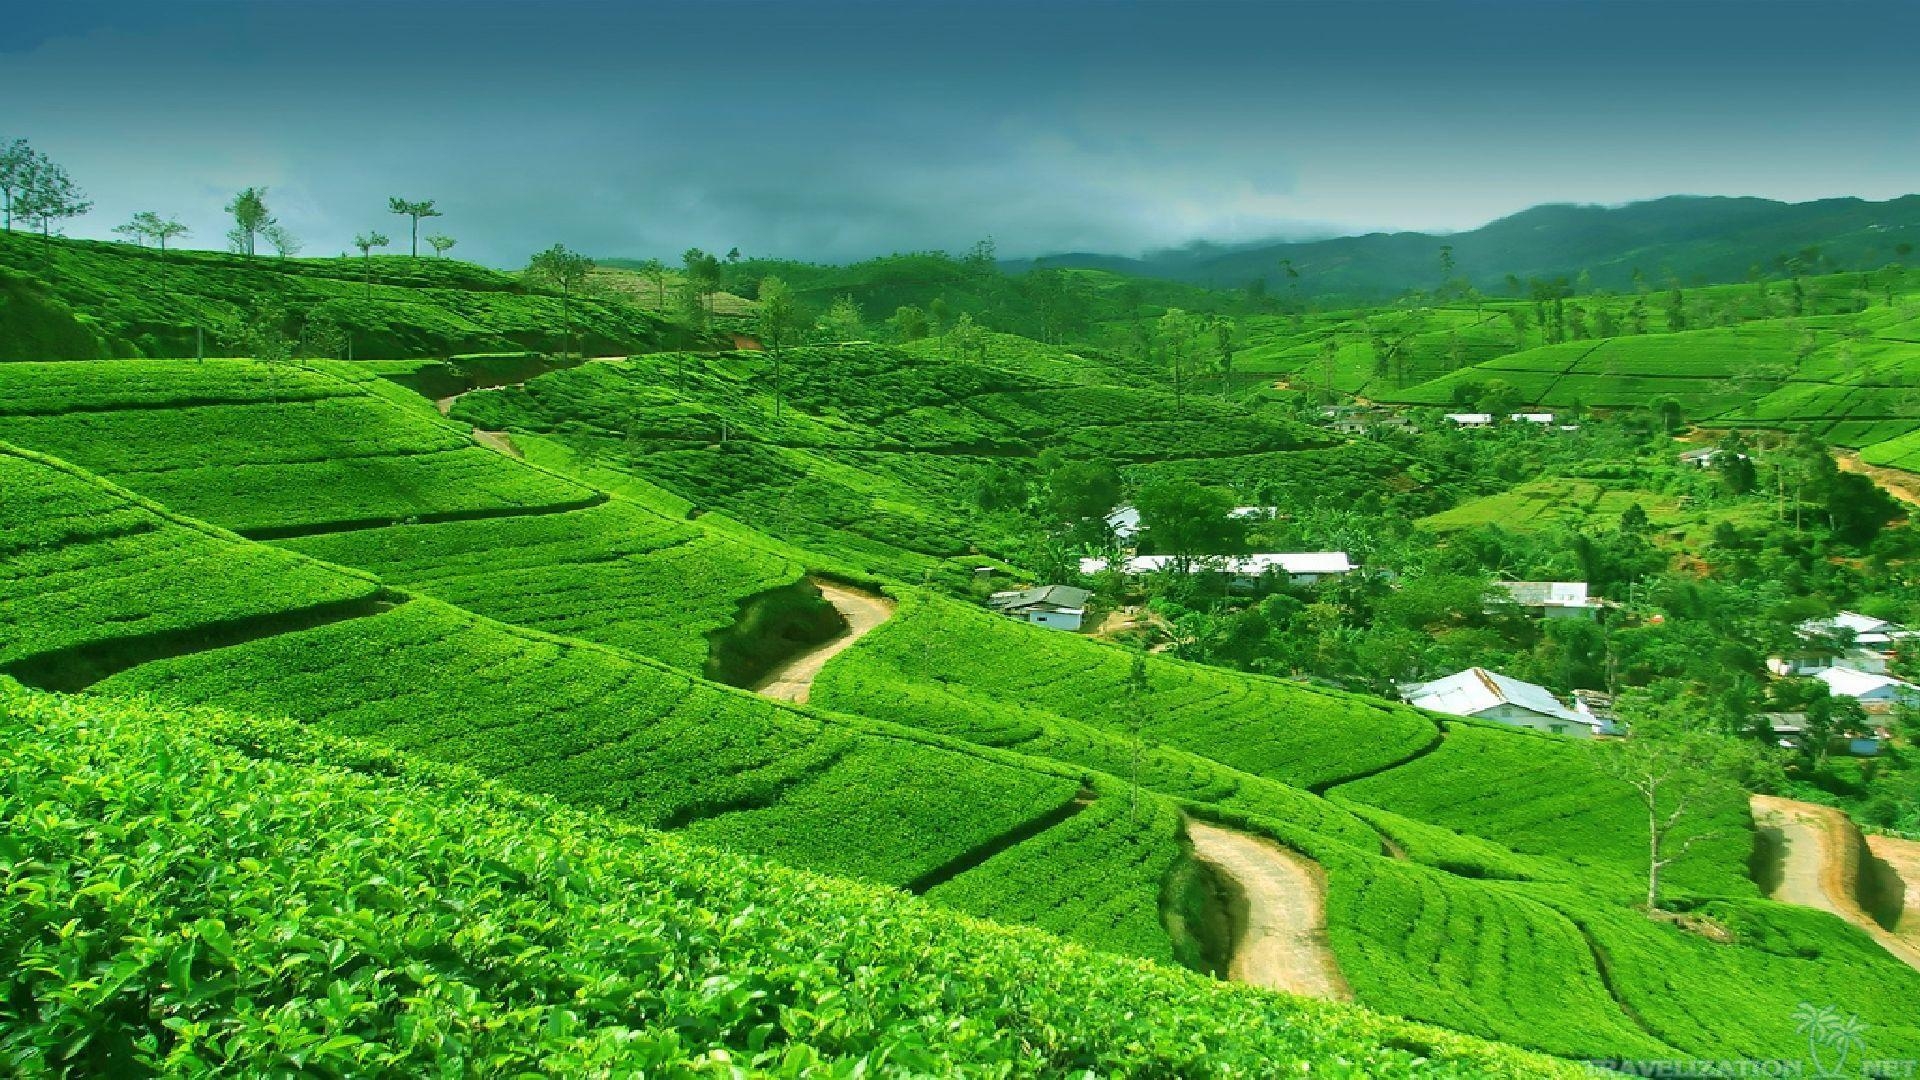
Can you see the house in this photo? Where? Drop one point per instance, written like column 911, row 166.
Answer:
column 1789, row 732
column 1875, row 693
column 1059, row 606
column 1125, row 521
column 1598, row 705
column 1704, row 457
column 1849, row 639
column 1488, row 695
column 1470, row 419
column 1544, row 419
column 1299, row 567
column 1551, row 599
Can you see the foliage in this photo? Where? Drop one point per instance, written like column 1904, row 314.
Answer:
column 276, row 901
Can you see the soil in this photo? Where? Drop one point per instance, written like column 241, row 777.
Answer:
column 1904, row 857
column 1280, row 914
column 1821, row 868
column 1904, row 486
column 496, row 440
column 793, row 679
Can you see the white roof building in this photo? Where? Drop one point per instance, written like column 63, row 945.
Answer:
column 1541, row 418
column 1125, row 521
column 1489, row 695
column 1470, row 419
column 1059, row 606
column 1296, row 564
column 1868, row 688
column 1550, row 597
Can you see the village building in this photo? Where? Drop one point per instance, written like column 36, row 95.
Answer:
column 1875, row 693
column 1551, row 599
column 1544, row 419
column 1703, row 457
column 1125, row 521
column 1598, row 705
column 1302, row 568
column 1470, row 419
column 1062, row 607
column 1789, row 731
column 1489, row 695
column 1849, row 639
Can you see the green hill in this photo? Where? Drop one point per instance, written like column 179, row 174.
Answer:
column 82, row 300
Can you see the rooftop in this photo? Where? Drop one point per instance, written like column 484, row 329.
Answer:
column 1475, row 690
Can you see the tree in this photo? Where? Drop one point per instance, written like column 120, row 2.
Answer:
column 284, row 242
column 967, row 340
column 1676, row 310
column 1176, row 333
column 1224, row 349
column 843, row 320
column 163, row 229
column 413, row 211
column 134, row 230
column 1677, row 778
column 441, row 243
column 1137, row 690
column 366, row 242
column 48, row 195
column 16, row 162
column 250, row 219
column 780, row 318
column 703, row 273
column 559, row 268
column 1083, row 490
column 909, row 323
column 1668, row 410
column 655, row 272
column 1188, row 522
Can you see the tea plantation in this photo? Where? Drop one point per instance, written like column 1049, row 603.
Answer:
column 276, row 901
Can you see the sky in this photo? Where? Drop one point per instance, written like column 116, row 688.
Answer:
column 839, row 130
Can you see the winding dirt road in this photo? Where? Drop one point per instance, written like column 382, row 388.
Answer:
column 793, row 680
column 1904, row 486
column 1819, row 870
column 1281, row 937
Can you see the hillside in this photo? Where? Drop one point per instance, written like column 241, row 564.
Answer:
column 83, row 300
column 529, row 937
column 1695, row 240
column 312, row 542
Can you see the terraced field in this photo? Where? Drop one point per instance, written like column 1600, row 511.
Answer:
column 266, row 450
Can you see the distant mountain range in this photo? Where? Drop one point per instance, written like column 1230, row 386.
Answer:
column 1694, row 239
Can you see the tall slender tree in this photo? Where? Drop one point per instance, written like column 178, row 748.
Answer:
column 49, row 195
column 366, row 242
column 441, row 243
column 780, row 318
column 565, row 270
column 16, row 160
column 250, row 219
column 413, row 211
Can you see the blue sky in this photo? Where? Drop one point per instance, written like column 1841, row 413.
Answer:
column 843, row 129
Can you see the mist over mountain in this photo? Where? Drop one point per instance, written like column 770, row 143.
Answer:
column 1685, row 238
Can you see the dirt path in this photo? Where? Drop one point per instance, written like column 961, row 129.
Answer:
column 497, row 440
column 793, row 680
column 1282, row 935
column 1904, row 857
column 1904, row 486
column 1817, row 871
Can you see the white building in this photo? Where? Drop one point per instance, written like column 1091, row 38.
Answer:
column 1062, row 607
column 1488, row 695
column 1298, row 567
column 1470, row 419
column 1551, row 599
column 1541, row 418
column 1876, row 693
column 1125, row 522
column 1849, row 639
